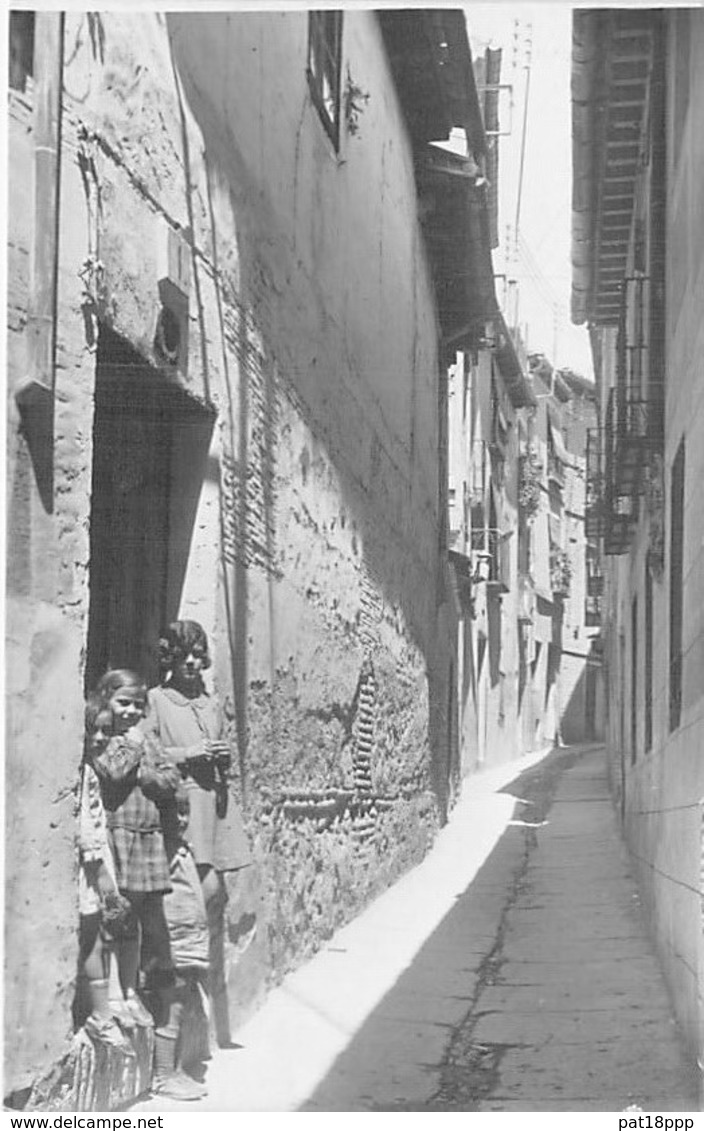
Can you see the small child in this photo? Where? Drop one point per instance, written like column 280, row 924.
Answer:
column 187, row 921
column 137, row 781
column 99, row 902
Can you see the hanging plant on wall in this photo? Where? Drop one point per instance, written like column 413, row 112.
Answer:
column 354, row 100
column 529, row 480
column 560, row 571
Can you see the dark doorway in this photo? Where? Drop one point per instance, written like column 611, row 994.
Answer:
column 150, row 451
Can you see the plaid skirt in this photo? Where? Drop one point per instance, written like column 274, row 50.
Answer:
column 140, row 859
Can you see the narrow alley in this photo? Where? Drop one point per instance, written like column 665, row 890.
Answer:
column 355, row 559
column 537, row 990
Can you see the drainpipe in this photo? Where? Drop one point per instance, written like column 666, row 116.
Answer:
column 35, row 393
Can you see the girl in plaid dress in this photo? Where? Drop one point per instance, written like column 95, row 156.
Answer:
column 137, row 781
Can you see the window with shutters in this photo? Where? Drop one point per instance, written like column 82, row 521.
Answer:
column 324, row 66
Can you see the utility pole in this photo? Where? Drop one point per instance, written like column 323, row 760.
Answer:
column 522, row 44
column 528, row 43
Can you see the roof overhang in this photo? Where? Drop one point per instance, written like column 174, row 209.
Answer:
column 430, row 58
column 458, row 236
column 612, row 58
column 431, row 64
column 511, row 368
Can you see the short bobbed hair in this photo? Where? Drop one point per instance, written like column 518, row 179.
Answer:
column 179, row 639
column 95, row 711
column 114, row 680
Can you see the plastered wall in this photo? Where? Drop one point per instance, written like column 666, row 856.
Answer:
column 663, row 810
column 47, row 578
column 313, row 553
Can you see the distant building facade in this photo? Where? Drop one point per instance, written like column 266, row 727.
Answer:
column 529, row 666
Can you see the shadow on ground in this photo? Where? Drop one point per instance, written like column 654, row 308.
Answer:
column 415, row 1051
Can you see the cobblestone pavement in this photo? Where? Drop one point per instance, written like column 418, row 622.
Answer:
column 511, row 971
column 540, row 990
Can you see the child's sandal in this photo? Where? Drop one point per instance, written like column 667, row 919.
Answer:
column 180, row 1087
column 140, row 1014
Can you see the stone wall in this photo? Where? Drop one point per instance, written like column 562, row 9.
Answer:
column 47, row 579
column 311, row 547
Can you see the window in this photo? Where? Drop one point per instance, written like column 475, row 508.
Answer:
column 676, row 583
column 324, row 66
column 21, row 61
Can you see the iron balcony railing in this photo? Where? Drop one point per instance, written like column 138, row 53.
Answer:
column 592, row 612
column 634, row 428
column 609, row 514
column 594, row 502
column 617, row 459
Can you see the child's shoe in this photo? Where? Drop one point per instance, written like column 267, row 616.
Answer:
column 140, row 1015
column 191, row 1082
column 179, row 1087
column 105, row 1030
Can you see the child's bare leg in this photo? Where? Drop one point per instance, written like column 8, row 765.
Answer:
column 170, row 1013
column 169, row 1078
column 94, row 960
column 128, row 964
column 215, row 896
column 114, row 986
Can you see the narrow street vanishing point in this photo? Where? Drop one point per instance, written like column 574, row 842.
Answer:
column 539, row 989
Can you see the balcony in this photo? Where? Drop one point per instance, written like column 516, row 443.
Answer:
column 634, row 430
column 592, row 612
column 560, row 572
column 490, row 548
column 617, row 462
column 530, row 475
column 556, row 469
column 594, row 503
